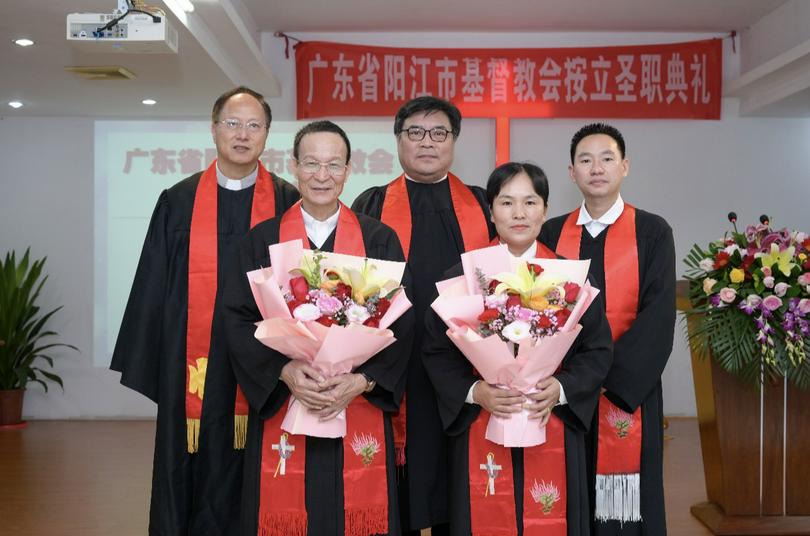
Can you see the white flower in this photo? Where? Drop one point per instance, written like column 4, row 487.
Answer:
column 517, row 330
column 357, row 314
column 781, row 289
column 493, row 301
column 707, row 265
column 731, row 249
column 307, row 311
column 768, row 281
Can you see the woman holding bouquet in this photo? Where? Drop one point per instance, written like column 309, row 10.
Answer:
column 533, row 490
column 299, row 484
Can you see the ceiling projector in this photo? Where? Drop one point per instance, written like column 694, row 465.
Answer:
column 122, row 31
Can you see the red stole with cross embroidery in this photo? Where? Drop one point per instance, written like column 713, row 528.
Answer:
column 396, row 213
column 282, row 504
column 202, row 292
column 618, row 459
column 492, row 496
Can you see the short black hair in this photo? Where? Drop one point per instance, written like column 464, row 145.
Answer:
column 597, row 128
column 321, row 126
column 506, row 172
column 219, row 104
column 428, row 105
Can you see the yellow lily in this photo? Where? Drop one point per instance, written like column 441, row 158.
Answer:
column 196, row 377
column 531, row 288
column 364, row 282
column 782, row 259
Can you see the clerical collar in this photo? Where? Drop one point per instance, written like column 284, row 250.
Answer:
column 420, row 182
column 530, row 253
column 240, row 184
column 318, row 231
column 596, row 226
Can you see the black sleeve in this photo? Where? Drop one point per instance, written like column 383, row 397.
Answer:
column 370, row 202
column 641, row 353
column 257, row 367
column 585, row 368
column 388, row 367
column 286, row 195
column 139, row 347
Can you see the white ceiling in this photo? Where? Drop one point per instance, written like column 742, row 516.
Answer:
column 218, row 43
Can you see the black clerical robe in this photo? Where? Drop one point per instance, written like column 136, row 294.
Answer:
column 436, row 245
column 581, row 374
column 639, row 358
column 191, row 493
column 258, row 369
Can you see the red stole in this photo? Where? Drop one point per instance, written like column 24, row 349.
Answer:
column 282, row 504
column 396, row 213
column 544, row 477
column 202, row 291
column 618, row 462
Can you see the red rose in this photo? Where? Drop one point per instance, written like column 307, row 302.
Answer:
column 536, row 268
column 492, row 284
column 562, row 316
column 292, row 305
column 806, row 265
column 571, row 292
column 488, row 316
column 326, row 321
column 721, row 260
column 806, row 244
column 543, row 322
column 513, row 300
column 299, row 288
column 382, row 306
column 343, row 291
column 372, row 322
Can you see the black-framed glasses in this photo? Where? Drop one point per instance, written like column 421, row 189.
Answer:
column 437, row 134
column 334, row 169
column 233, row 125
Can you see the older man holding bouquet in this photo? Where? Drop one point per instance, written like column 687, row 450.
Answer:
column 541, row 489
column 296, row 484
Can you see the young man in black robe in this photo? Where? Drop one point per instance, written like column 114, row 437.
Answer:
column 268, row 378
column 171, row 347
column 565, row 402
column 437, row 217
column 633, row 260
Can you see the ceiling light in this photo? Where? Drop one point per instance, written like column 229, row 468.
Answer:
column 23, row 42
column 149, row 102
column 15, row 104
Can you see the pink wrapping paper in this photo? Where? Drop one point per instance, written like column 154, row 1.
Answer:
column 493, row 358
column 332, row 350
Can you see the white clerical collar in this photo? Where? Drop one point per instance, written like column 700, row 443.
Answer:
column 596, row 226
column 530, row 253
column 420, row 182
column 240, row 184
column 318, row 231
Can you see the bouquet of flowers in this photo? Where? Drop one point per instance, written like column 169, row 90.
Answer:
column 750, row 294
column 514, row 321
column 329, row 309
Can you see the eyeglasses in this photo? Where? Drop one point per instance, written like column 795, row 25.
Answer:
column 437, row 134
column 233, row 125
column 312, row 167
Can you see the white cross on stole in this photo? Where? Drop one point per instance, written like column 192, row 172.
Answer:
column 492, row 473
column 285, row 450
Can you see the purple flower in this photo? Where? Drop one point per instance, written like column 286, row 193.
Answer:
column 328, row 305
column 715, row 300
column 750, row 304
column 772, row 303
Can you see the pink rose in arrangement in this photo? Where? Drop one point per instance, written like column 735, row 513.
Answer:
column 772, row 303
column 804, row 279
column 804, row 306
column 728, row 295
column 769, row 281
column 781, row 289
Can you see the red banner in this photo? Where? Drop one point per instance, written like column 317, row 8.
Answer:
column 669, row 81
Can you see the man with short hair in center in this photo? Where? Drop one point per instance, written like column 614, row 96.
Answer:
column 171, row 346
column 437, row 217
column 320, row 491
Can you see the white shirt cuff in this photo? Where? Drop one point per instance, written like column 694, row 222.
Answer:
column 469, row 399
column 563, row 400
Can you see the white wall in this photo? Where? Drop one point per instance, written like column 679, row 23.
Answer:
column 690, row 172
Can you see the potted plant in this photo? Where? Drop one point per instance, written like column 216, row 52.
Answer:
column 23, row 334
column 748, row 311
